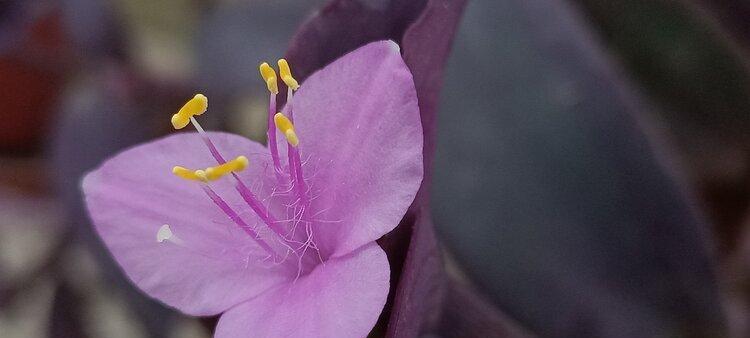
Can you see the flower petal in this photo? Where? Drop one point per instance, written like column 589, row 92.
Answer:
column 209, row 264
column 342, row 298
column 425, row 28
column 360, row 131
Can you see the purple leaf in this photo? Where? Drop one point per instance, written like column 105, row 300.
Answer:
column 557, row 204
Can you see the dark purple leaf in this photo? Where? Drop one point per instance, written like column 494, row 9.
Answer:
column 426, row 46
column 343, row 25
column 551, row 195
column 700, row 82
column 466, row 313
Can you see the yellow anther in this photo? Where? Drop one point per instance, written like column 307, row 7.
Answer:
column 287, row 128
column 236, row 165
column 291, row 137
column 212, row 173
column 201, row 174
column 196, row 106
column 188, row 174
column 286, row 75
column 269, row 75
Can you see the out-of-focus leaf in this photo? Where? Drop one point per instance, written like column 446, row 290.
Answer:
column 93, row 28
column 98, row 118
column 550, row 194
column 702, row 88
column 234, row 38
column 468, row 314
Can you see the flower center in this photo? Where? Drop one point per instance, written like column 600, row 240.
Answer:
column 282, row 239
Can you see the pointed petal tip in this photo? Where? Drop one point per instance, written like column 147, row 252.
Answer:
column 394, row 46
column 88, row 180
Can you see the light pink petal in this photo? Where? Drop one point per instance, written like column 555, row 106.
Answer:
column 210, row 264
column 360, row 131
column 342, row 298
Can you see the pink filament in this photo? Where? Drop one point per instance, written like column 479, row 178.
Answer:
column 295, row 169
column 272, row 136
column 258, row 207
column 295, row 163
column 236, row 218
column 295, row 172
column 246, row 193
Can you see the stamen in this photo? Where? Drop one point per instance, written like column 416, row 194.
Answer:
column 247, row 195
column 271, row 133
column 196, row 106
column 286, row 75
column 202, row 175
column 190, row 175
column 204, row 136
column 287, row 128
column 233, row 166
column 207, row 141
column 236, row 219
column 278, row 229
column 269, row 75
column 295, row 163
column 295, row 168
column 236, row 165
column 212, row 173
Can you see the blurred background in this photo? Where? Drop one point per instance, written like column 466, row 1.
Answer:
column 591, row 179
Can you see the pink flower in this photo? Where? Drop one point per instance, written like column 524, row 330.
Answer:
column 281, row 240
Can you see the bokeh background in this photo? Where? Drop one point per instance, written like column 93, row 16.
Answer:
column 592, row 174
